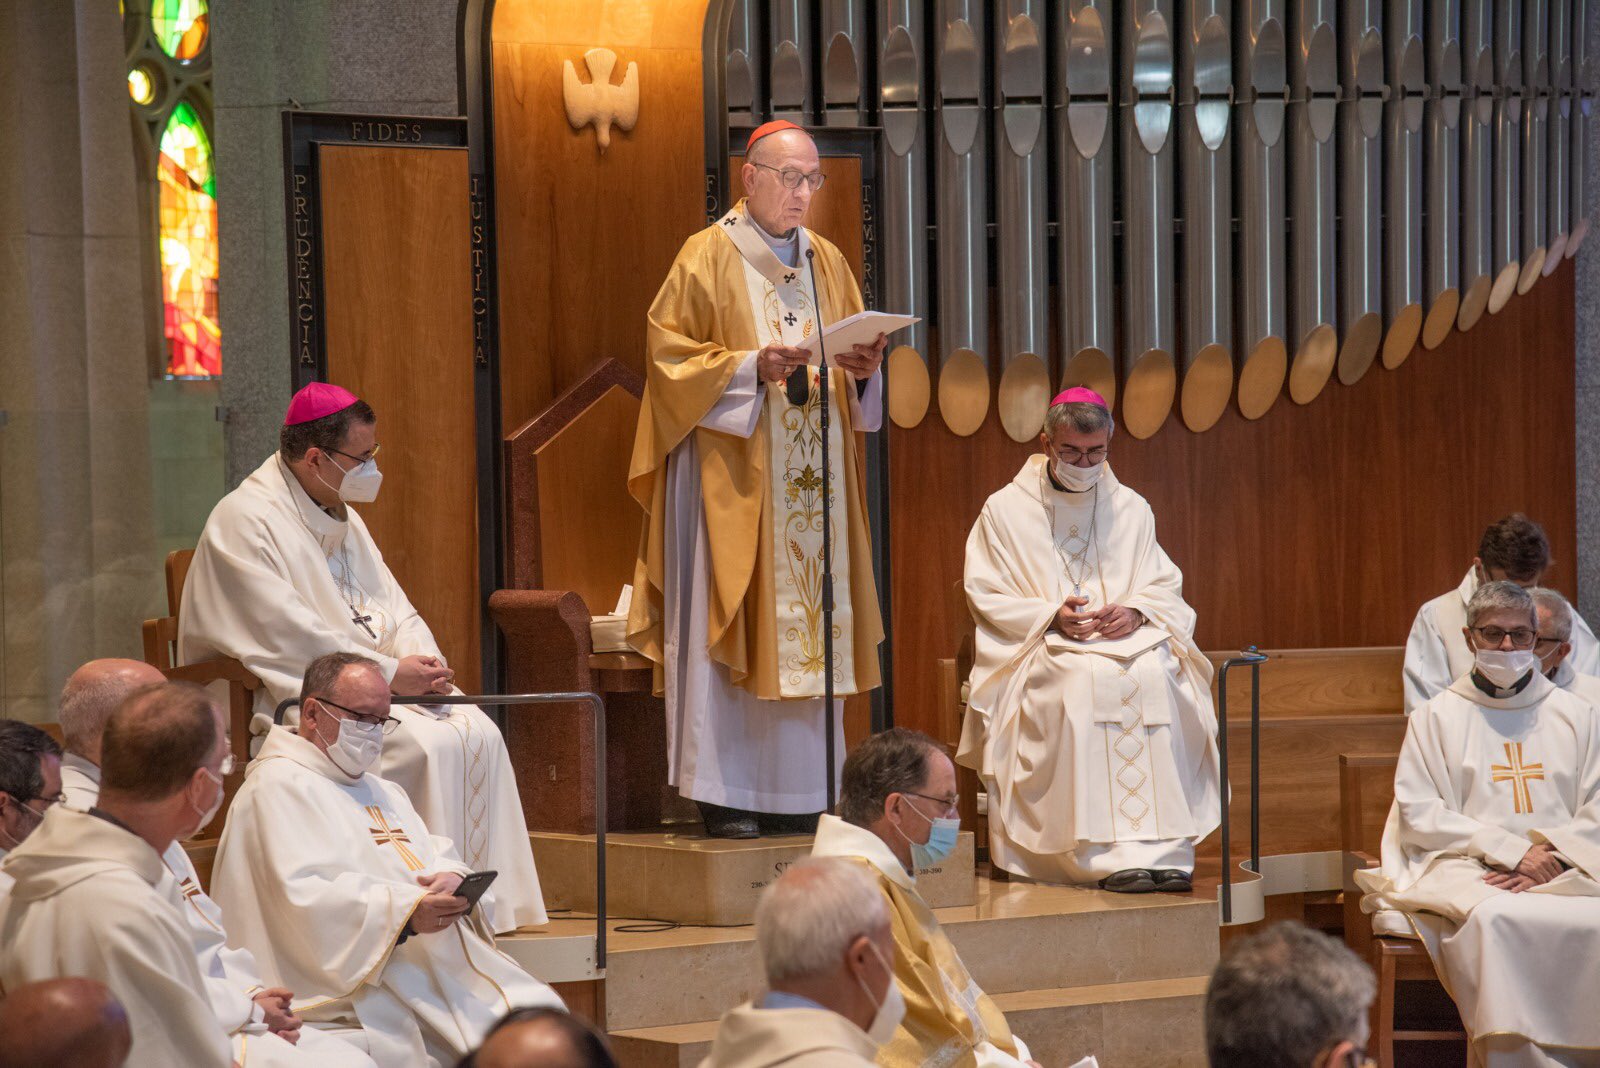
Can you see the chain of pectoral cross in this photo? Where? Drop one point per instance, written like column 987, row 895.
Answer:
column 348, row 590
column 1068, row 557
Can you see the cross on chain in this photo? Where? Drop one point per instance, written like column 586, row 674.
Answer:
column 383, row 834
column 1518, row 775
column 361, row 621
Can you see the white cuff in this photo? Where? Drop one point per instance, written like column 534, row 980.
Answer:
column 739, row 408
column 866, row 410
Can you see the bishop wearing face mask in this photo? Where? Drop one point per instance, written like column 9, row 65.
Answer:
column 1492, row 848
column 333, row 880
column 1090, row 716
column 286, row 571
column 897, row 814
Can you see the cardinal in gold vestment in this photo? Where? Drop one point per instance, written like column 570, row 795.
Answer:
column 728, row 584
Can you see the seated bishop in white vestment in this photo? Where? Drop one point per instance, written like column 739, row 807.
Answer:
column 280, row 577
column 1492, row 851
column 1514, row 548
column 341, row 910
column 1089, row 716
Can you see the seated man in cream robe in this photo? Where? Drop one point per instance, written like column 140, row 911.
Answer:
column 828, row 954
column 1492, row 848
column 355, row 908
column 1553, row 645
column 1089, row 717
column 897, row 812
column 91, row 897
column 1512, row 549
column 264, row 1031
column 30, row 780
column 286, row 571
column 727, row 597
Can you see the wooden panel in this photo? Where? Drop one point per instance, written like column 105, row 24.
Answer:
column 1319, row 682
column 1366, row 787
column 1320, row 526
column 397, row 286
column 835, row 208
column 584, row 238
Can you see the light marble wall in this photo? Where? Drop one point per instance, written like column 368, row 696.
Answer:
column 1587, row 299
column 393, row 57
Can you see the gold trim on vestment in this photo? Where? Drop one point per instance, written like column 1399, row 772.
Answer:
column 383, row 962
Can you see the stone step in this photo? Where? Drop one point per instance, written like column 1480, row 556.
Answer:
column 1154, row 1023
column 690, row 878
column 1014, row 937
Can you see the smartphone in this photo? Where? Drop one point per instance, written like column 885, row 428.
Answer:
column 473, row 885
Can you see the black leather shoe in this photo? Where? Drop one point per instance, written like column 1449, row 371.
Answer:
column 1129, row 881
column 728, row 822
column 1173, row 881
column 772, row 823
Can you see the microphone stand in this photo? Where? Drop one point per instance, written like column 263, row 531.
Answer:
column 827, row 536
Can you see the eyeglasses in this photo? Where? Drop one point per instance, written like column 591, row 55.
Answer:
column 1521, row 637
column 949, row 803
column 792, row 178
column 372, row 455
column 388, row 723
column 1546, row 643
column 47, row 799
column 1072, row 456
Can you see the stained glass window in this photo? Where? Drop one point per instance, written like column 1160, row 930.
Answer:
column 181, row 26
column 189, row 246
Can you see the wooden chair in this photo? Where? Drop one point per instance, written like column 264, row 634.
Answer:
column 1366, row 792
column 952, row 709
column 161, row 651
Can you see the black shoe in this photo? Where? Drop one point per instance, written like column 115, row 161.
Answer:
column 1173, row 881
column 775, row 824
column 1129, row 881
column 728, row 822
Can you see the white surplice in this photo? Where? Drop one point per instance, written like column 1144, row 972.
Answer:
column 1437, row 652
column 277, row 582
column 1092, row 764
column 726, row 746
column 231, row 977
column 323, row 909
column 94, row 900
column 1584, row 686
column 1480, row 780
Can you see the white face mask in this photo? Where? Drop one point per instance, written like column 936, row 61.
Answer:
column 359, row 484
column 357, row 747
column 890, row 1011
column 1503, row 668
column 211, row 813
column 33, row 825
column 1078, row 479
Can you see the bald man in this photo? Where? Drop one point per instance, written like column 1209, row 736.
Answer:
column 60, row 1022
column 541, row 1038
column 91, row 694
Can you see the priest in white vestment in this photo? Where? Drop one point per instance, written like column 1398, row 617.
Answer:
column 30, row 780
column 727, row 589
column 1492, row 848
column 264, row 1031
column 897, row 814
column 1513, row 549
column 1089, row 716
column 355, row 911
column 286, row 571
column 92, row 898
column 1553, row 645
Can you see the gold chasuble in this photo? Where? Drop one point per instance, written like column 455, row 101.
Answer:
column 726, row 296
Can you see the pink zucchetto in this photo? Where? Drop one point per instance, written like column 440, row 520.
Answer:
column 1080, row 395
column 317, row 400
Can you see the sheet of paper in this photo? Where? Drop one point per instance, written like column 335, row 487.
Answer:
column 861, row 328
column 1140, row 641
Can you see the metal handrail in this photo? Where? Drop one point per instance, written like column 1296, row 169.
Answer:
column 596, row 702
column 1253, row 657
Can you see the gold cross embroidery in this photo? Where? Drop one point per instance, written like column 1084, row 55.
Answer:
column 383, row 834
column 190, row 890
column 1518, row 775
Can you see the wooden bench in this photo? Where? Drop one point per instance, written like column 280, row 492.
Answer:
column 1366, row 792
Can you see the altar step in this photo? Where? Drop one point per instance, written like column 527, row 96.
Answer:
column 1156, row 1023
column 686, row 877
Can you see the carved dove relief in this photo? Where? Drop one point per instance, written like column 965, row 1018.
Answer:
column 599, row 102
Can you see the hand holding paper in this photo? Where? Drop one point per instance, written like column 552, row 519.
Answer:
column 861, row 328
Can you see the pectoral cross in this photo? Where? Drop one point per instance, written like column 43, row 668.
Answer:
column 383, row 834
column 361, row 621
column 1518, row 775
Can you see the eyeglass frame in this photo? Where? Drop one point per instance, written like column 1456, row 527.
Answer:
column 1071, row 455
column 813, row 179
column 1533, row 636
column 47, row 799
column 373, row 455
column 387, row 724
column 949, row 805
column 1539, row 640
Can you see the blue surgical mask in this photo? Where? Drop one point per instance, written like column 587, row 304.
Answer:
column 941, row 840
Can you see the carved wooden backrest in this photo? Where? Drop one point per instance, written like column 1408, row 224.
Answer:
column 571, row 523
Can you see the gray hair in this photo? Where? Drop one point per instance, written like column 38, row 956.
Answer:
column 894, row 761
column 812, row 913
column 1281, row 997
column 1558, row 607
column 322, row 674
column 1500, row 596
column 1081, row 416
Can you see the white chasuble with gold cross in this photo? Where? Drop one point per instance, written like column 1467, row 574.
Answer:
column 1480, row 781
column 1094, row 762
column 317, row 873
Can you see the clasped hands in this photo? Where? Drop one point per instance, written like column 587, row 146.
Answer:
column 279, row 1017
column 1538, row 866
column 418, row 675
column 776, row 361
column 1111, row 621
